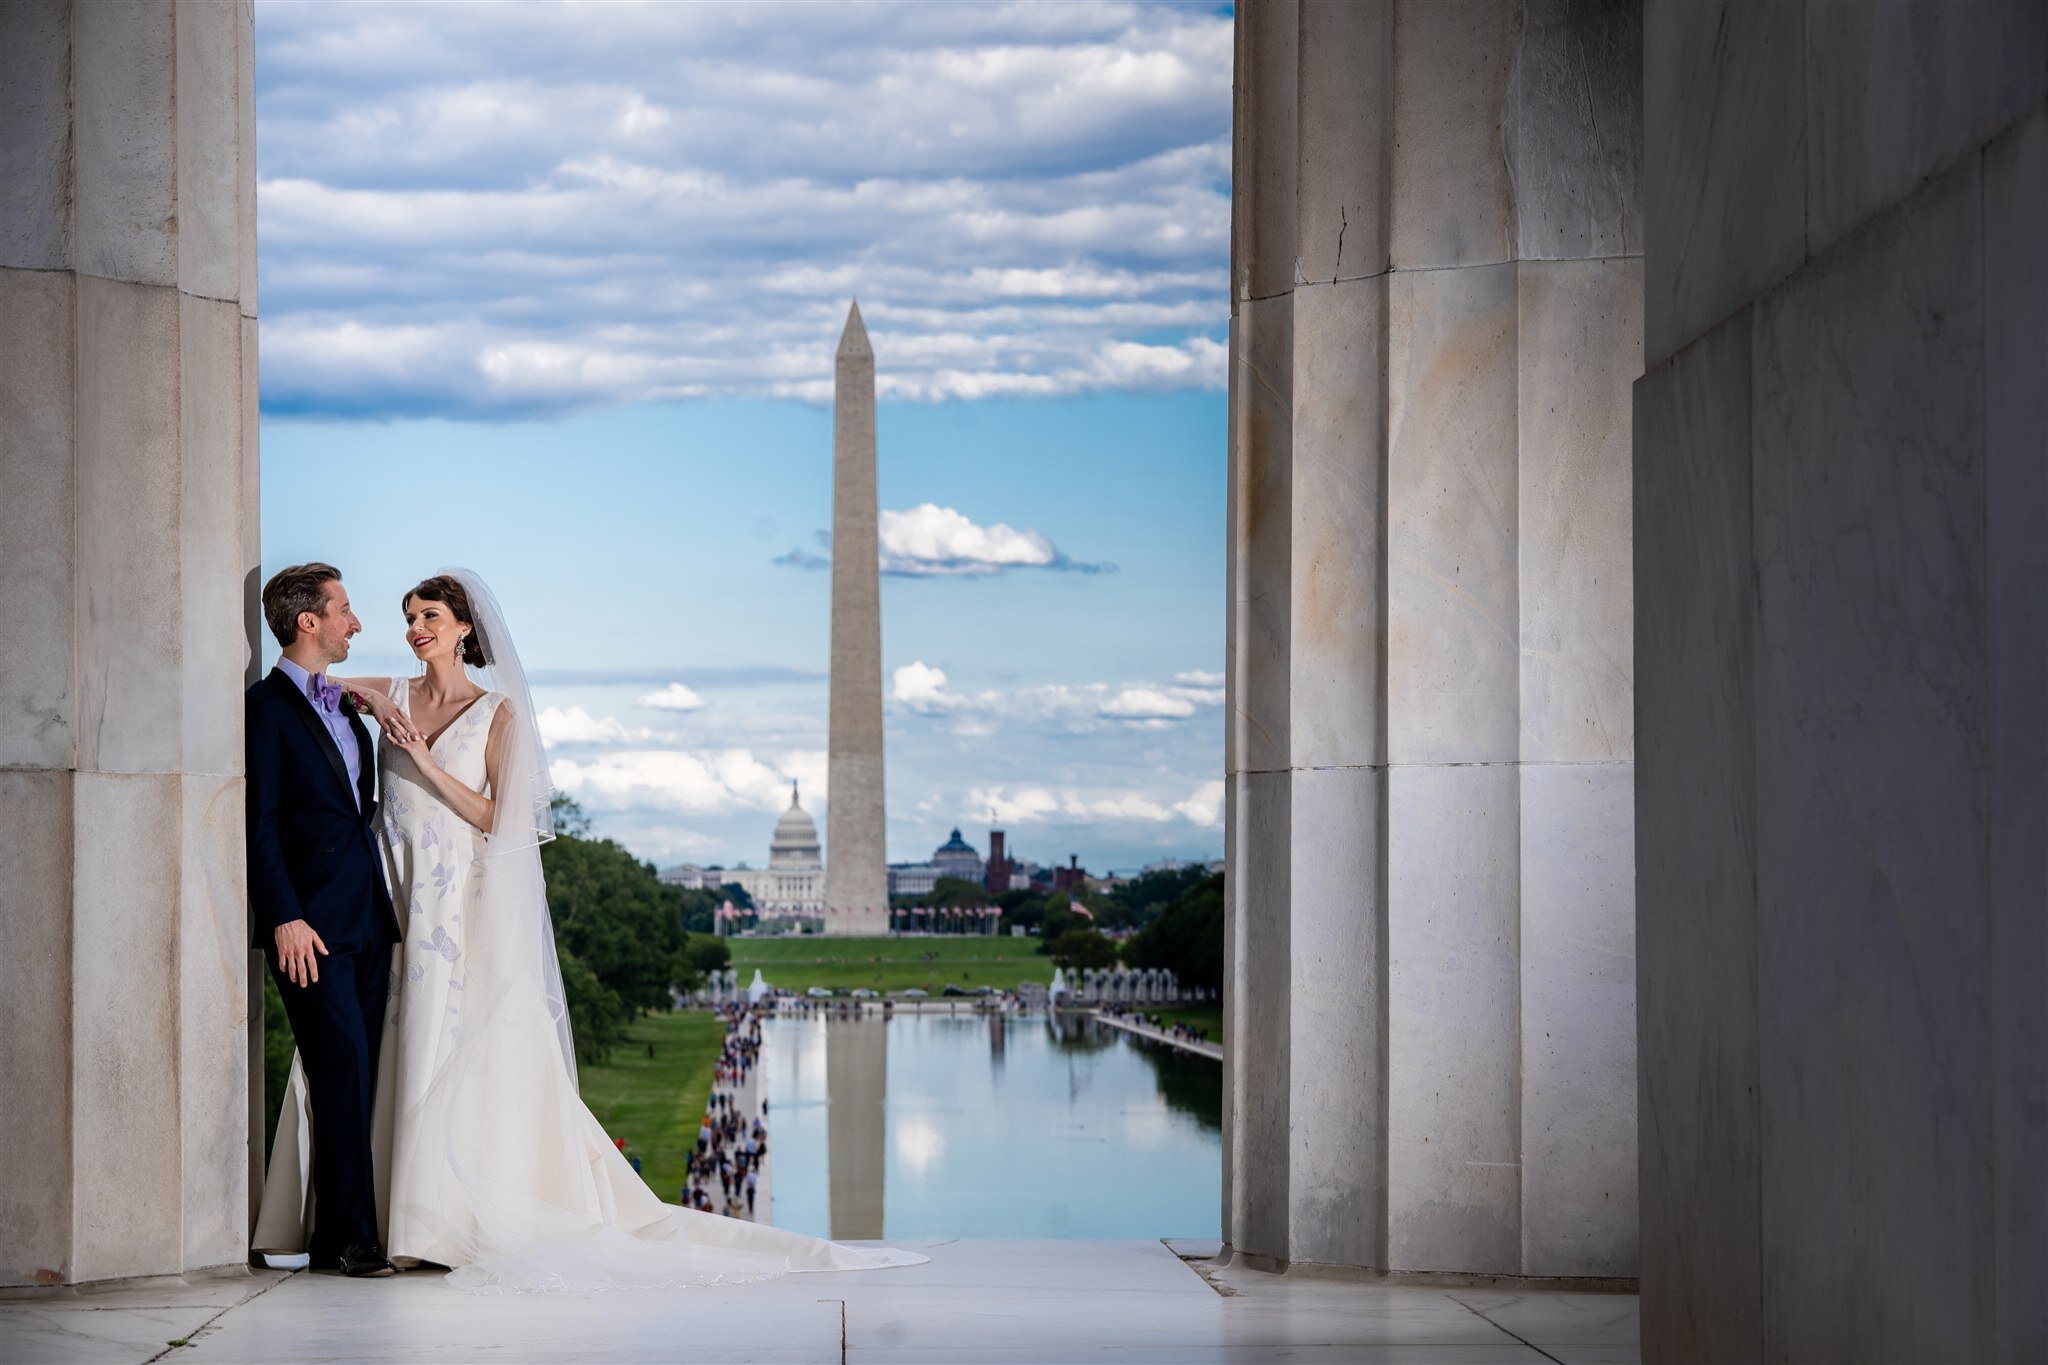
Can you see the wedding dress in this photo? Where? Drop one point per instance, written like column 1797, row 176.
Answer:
column 487, row 1159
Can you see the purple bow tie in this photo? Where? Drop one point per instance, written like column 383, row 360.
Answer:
column 325, row 695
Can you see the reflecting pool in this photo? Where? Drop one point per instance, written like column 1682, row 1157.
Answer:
column 989, row 1126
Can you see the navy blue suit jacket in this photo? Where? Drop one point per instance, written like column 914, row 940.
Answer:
column 311, row 855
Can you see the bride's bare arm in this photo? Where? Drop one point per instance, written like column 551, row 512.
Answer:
column 457, row 795
column 374, row 693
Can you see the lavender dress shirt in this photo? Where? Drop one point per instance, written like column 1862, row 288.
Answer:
column 337, row 727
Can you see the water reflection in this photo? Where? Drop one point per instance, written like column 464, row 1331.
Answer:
column 856, row 1079
column 966, row 1126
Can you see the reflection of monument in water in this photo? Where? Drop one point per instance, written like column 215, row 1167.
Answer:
column 856, row 1081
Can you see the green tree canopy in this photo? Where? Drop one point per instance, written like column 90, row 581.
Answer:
column 1187, row 938
column 952, row 892
column 1082, row 948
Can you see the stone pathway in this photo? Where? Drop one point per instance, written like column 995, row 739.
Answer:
column 1000, row 1302
column 746, row 1102
column 1214, row 1051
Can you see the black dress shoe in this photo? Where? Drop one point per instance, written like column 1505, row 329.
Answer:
column 365, row 1260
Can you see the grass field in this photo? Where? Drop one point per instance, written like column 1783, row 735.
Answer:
column 656, row 1103
column 890, row 964
column 1194, row 1016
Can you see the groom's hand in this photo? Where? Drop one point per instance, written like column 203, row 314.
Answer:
column 299, row 951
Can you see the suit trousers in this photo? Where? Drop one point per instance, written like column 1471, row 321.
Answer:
column 338, row 1022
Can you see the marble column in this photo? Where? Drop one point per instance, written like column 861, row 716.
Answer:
column 1435, row 290
column 856, row 869
column 1841, row 522
column 127, row 559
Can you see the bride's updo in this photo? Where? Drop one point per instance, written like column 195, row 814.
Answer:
column 444, row 589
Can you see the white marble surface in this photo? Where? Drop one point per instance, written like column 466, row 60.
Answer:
column 1025, row 1302
column 1337, row 993
column 1452, row 622
column 1453, row 947
column 125, row 148
column 35, row 1044
column 1579, row 348
column 1573, row 130
column 1696, row 852
column 1578, row 1019
column 2016, row 554
column 38, row 696
column 1336, row 640
column 1265, row 118
column 1450, row 199
column 1346, row 52
column 1724, row 150
column 1900, row 91
column 1261, row 492
column 1872, row 775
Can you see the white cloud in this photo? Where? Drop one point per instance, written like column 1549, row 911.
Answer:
column 1026, row 805
column 1198, row 678
column 709, row 782
column 494, row 210
column 1148, row 703
column 577, row 726
column 922, row 688
column 674, row 697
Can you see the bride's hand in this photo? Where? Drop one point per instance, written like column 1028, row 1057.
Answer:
column 401, row 731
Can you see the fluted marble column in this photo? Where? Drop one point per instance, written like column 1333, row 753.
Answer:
column 127, row 563
column 1430, row 746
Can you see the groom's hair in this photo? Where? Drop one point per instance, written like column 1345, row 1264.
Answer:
column 300, row 588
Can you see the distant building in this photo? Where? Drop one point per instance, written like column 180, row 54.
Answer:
column 958, row 858
column 793, row 883
column 996, row 876
column 913, row 879
column 1072, row 877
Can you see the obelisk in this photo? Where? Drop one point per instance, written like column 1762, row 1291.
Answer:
column 856, row 869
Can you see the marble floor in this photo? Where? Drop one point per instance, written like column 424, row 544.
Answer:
column 1008, row 1303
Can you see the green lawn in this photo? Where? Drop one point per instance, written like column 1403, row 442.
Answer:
column 656, row 1103
column 1194, row 1016
column 890, row 964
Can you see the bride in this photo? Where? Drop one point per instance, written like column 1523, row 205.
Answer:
column 487, row 1160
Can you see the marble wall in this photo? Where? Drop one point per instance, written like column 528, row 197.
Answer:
column 1841, row 520
column 127, row 555
column 1436, row 319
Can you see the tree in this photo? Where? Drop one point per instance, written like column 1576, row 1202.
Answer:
column 953, row 892
column 570, row 819
column 1187, row 938
column 708, row 953
column 1079, row 948
column 700, row 910
column 737, row 894
column 1140, row 901
column 614, row 916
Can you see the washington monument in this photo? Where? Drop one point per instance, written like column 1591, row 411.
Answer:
column 856, row 868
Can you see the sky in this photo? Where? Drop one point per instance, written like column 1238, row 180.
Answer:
column 551, row 292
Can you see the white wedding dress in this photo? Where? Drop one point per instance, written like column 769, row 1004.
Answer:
column 487, row 1160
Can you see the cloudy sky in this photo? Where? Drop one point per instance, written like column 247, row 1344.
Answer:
column 552, row 292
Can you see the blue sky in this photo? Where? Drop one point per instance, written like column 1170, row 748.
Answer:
column 553, row 293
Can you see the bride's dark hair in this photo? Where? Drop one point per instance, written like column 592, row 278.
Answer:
column 445, row 590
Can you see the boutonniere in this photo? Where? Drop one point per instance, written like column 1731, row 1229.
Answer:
column 354, row 703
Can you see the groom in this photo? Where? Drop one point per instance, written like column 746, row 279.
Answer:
column 316, row 885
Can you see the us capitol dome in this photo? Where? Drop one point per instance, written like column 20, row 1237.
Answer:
column 793, row 883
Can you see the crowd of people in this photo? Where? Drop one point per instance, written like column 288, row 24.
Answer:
column 1177, row 1031
column 724, row 1168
